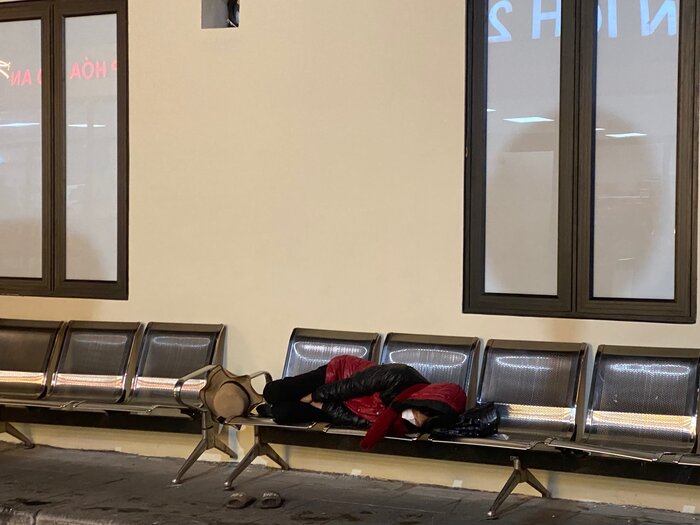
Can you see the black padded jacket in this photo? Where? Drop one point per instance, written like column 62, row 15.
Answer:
column 388, row 380
column 342, row 416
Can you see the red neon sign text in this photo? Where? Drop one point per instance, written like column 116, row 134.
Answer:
column 87, row 70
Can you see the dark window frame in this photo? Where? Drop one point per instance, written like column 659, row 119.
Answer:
column 53, row 282
column 576, row 177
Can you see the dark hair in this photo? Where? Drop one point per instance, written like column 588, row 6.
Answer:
column 436, row 419
column 428, row 411
column 440, row 421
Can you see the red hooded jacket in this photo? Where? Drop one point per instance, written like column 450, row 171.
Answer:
column 380, row 392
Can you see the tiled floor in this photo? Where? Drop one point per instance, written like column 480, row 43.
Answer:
column 49, row 486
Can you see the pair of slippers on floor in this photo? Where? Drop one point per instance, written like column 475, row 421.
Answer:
column 268, row 500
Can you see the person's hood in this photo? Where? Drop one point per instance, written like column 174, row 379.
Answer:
column 445, row 399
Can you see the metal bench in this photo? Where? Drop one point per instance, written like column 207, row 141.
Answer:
column 643, row 405
column 171, row 371
column 117, row 368
column 536, row 388
column 440, row 359
column 307, row 350
column 26, row 348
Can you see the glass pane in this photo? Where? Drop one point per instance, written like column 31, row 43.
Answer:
column 20, row 149
column 522, row 142
column 91, row 148
column 635, row 162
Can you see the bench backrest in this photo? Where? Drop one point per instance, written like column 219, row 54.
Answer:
column 93, row 361
column 309, row 348
column 26, row 348
column 536, row 386
column 170, row 351
column 644, row 397
column 440, row 359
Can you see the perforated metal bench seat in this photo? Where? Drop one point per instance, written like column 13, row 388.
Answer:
column 169, row 373
column 255, row 421
column 511, row 440
column 87, row 369
column 440, row 359
column 169, row 353
column 643, row 405
column 310, row 348
column 120, row 367
column 536, row 388
column 517, row 370
column 26, row 350
column 93, row 361
column 492, row 441
column 519, row 440
column 25, row 354
column 88, row 366
column 307, row 350
column 310, row 426
column 628, row 453
column 359, row 432
column 691, row 460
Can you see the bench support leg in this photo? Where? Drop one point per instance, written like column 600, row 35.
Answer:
column 258, row 449
column 10, row 429
column 519, row 475
column 210, row 439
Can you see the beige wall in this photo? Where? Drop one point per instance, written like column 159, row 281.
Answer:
column 306, row 169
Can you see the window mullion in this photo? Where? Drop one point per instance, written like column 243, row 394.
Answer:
column 59, row 177
column 585, row 101
column 48, row 149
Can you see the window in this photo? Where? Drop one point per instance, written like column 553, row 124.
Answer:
column 63, row 148
column 581, row 158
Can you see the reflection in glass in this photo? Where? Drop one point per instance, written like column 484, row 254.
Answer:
column 20, row 150
column 635, row 161
column 91, row 147
column 522, row 149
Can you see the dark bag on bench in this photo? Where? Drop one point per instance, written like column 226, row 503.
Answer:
column 480, row 421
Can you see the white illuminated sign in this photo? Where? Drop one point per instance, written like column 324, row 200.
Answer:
column 547, row 18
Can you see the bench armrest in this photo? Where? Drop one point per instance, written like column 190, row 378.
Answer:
column 267, row 375
column 177, row 389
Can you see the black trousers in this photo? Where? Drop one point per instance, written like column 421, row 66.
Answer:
column 283, row 395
